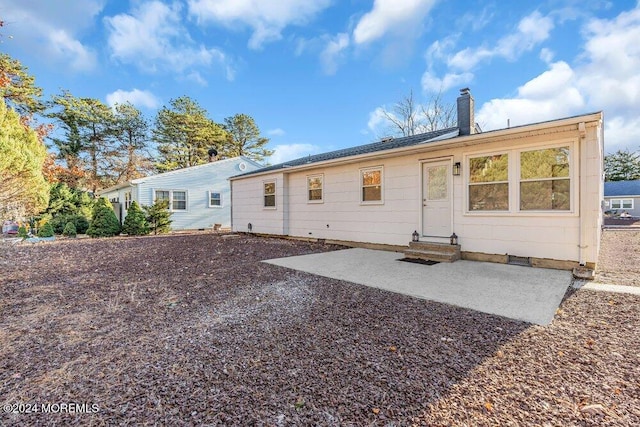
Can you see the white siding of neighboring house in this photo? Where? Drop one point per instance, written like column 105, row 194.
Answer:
column 197, row 181
column 341, row 216
column 635, row 212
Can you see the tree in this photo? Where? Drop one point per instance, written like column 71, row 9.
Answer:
column 131, row 159
column 88, row 124
column 135, row 223
column 104, row 222
column 408, row 118
column 184, row 134
column 18, row 88
column 622, row 166
column 23, row 189
column 243, row 138
column 46, row 230
column 158, row 217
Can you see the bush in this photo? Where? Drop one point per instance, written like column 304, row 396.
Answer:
column 159, row 217
column 46, row 230
column 70, row 230
column 135, row 223
column 104, row 222
column 79, row 221
column 22, row 232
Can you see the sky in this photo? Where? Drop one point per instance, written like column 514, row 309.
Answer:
column 316, row 75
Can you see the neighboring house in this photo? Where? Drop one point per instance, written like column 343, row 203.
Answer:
column 622, row 196
column 199, row 196
column 531, row 192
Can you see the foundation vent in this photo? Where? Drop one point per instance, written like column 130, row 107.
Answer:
column 519, row 260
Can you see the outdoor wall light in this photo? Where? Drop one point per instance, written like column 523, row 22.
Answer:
column 415, row 237
column 249, row 227
column 453, row 239
column 456, row 168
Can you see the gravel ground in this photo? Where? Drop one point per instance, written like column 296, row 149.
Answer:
column 619, row 259
column 194, row 330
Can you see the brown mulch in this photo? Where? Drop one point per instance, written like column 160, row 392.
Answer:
column 194, row 330
column 619, row 258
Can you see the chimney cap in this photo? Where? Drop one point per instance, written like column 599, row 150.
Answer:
column 465, row 91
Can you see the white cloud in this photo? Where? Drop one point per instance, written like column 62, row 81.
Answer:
column 378, row 122
column 532, row 30
column 333, row 52
column 51, row 32
column 153, row 37
column 604, row 79
column 276, row 132
column 434, row 84
column 137, row 97
column 267, row 18
column 550, row 95
column 285, row 152
column 391, row 16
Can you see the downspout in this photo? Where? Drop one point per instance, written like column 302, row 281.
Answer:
column 582, row 152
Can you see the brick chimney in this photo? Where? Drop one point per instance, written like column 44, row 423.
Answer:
column 213, row 155
column 466, row 120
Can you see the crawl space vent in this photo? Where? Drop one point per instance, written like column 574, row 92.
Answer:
column 519, row 260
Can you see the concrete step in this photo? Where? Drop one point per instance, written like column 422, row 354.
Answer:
column 427, row 255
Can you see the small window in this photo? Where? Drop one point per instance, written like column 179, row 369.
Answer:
column 269, row 194
column 179, row 201
column 545, row 183
column 489, row 183
column 314, row 188
column 371, row 185
column 215, row 199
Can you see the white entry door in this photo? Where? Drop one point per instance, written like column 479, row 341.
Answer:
column 436, row 199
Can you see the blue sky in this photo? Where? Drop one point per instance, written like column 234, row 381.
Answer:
column 316, row 74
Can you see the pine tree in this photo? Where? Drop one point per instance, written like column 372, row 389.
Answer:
column 159, row 217
column 104, row 222
column 46, row 230
column 70, row 230
column 135, row 223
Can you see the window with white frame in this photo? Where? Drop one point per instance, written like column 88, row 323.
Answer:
column 621, row 203
column 315, row 188
column 545, row 182
column 371, row 185
column 489, row 182
column 269, row 194
column 127, row 200
column 179, row 200
column 176, row 199
column 215, row 199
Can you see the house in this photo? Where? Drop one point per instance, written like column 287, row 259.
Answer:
column 622, row 197
column 199, row 196
column 528, row 194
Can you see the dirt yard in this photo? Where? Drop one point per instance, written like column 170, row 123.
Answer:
column 194, row 330
column 619, row 260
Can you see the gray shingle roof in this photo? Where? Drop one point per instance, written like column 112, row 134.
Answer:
column 622, row 188
column 384, row 144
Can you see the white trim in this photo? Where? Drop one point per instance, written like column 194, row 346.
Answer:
column 275, row 194
column 209, row 193
column 361, row 185
column 321, row 199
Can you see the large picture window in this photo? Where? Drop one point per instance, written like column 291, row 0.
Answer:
column 371, row 185
column 314, row 188
column 269, row 193
column 489, row 183
column 545, row 182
